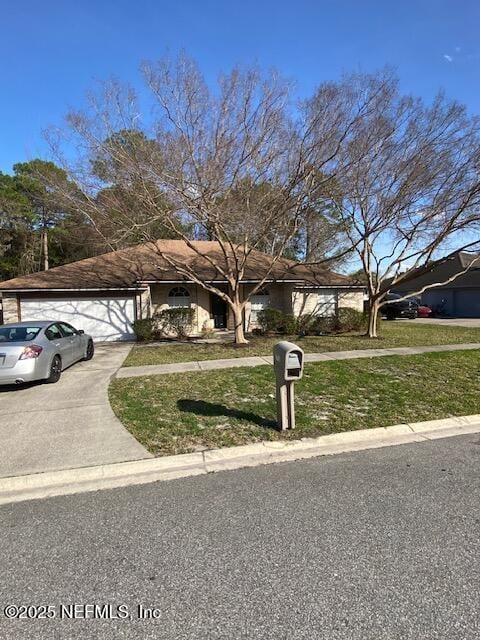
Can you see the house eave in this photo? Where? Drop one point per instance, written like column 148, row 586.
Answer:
column 218, row 281
column 332, row 286
column 71, row 289
column 300, row 283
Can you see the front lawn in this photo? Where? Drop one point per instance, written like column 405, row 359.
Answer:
column 186, row 412
column 393, row 334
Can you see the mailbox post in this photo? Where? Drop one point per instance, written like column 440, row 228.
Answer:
column 288, row 366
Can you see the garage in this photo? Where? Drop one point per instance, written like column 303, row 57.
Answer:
column 457, row 303
column 459, row 296
column 467, row 303
column 105, row 319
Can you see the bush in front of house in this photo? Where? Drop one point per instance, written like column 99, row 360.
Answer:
column 144, row 329
column 274, row 321
column 288, row 325
column 349, row 319
column 309, row 325
column 177, row 320
column 345, row 320
column 269, row 320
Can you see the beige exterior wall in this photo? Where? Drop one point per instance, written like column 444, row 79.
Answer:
column 314, row 302
column 199, row 301
column 143, row 304
column 351, row 299
column 10, row 309
column 280, row 297
column 325, row 301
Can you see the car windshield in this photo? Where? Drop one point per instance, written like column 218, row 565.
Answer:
column 18, row 334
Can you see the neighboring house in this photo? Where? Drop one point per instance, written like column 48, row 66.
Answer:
column 103, row 295
column 459, row 298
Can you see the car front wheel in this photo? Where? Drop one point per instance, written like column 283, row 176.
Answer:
column 55, row 370
column 90, row 350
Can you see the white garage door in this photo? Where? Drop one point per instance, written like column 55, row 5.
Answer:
column 102, row 318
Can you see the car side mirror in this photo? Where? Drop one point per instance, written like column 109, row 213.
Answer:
column 80, row 332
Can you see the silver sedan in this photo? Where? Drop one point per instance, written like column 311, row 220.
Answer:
column 40, row 350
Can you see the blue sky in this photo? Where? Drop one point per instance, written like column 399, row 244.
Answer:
column 52, row 51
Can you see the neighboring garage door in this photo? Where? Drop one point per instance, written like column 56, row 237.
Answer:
column 102, row 318
column 467, row 303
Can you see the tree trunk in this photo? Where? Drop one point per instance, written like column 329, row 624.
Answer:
column 373, row 320
column 237, row 310
column 45, row 249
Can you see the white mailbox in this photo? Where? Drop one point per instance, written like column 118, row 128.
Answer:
column 288, row 366
column 288, row 361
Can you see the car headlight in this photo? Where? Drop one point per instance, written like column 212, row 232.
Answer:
column 32, row 351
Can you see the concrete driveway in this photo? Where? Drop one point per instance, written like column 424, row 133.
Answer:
column 44, row 427
column 469, row 323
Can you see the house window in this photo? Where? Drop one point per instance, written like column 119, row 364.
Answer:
column 260, row 301
column 178, row 297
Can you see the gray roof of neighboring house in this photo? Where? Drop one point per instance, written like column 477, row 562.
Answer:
column 466, row 259
column 442, row 270
column 149, row 262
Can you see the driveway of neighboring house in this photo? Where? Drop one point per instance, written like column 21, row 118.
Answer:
column 470, row 323
column 69, row 424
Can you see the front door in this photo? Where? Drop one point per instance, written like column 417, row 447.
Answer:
column 219, row 312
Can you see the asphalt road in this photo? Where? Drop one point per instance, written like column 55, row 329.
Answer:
column 375, row 545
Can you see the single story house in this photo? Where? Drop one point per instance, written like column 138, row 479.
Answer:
column 103, row 295
column 459, row 298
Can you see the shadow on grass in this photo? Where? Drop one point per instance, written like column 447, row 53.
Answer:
column 202, row 408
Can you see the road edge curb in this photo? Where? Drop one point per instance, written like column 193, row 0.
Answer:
column 85, row 479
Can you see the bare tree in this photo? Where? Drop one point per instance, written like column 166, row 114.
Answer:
column 408, row 175
column 230, row 164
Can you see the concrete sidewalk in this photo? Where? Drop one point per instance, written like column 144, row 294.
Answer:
column 256, row 361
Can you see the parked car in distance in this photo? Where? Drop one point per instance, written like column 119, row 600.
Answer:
column 398, row 308
column 32, row 351
column 423, row 310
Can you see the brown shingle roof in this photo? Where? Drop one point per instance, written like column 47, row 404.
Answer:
column 130, row 267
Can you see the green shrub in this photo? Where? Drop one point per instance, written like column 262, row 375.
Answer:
column 303, row 323
column 288, row 324
column 274, row 321
column 177, row 320
column 269, row 320
column 309, row 325
column 346, row 320
column 144, row 329
column 349, row 319
column 321, row 325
